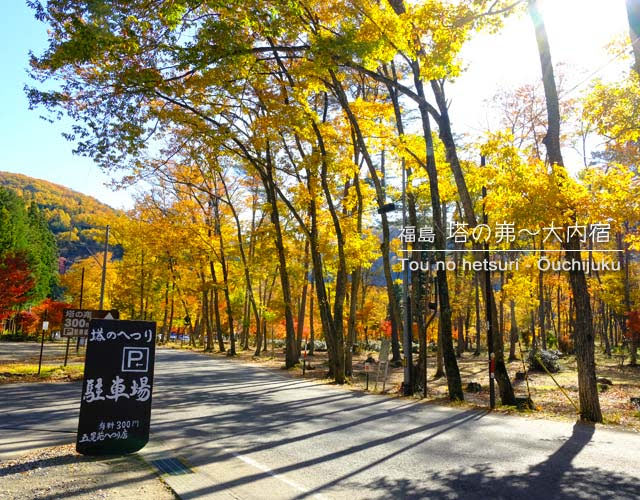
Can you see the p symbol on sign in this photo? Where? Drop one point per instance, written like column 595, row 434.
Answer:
column 135, row 359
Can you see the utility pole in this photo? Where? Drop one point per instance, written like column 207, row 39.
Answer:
column 488, row 295
column 406, row 337
column 104, row 268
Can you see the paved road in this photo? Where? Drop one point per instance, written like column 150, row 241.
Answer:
column 248, row 433
column 29, row 352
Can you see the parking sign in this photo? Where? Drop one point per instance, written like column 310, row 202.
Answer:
column 115, row 410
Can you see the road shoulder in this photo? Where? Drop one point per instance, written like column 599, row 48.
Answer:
column 59, row 472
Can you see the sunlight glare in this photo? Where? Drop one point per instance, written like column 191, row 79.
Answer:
column 582, row 25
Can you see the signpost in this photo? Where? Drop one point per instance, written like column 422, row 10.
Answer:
column 76, row 323
column 187, row 324
column 45, row 327
column 383, row 360
column 115, row 409
column 304, row 358
column 368, row 368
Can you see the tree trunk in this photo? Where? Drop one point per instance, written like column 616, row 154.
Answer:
column 446, row 135
column 605, row 329
column 205, row 314
column 513, row 331
column 467, row 326
column 558, row 311
column 584, row 335
column 396, row 319
column 164, row 333
column 303, row 298
column 341, row 274
column 541, row 311
column 501, row 327
column 291, row 353
column 476, row 283
column 171, row 311
column 454, row 382
column 140, row 316
column 261, row 296
column 439, row 356
column 633, row 343
column 312, row 333
column 460, row 327
column 216, row 308
column 355, row 281
column 246, row 322
column 351, row 328
column 418, row 280
column 225, row 279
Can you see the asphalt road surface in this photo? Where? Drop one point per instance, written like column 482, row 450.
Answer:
column 29, row 352
column 247, row 433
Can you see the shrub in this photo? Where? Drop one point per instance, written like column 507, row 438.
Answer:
column 548, row 358
column 552, row 341
column 319, row 345
column 372, row 345
column 13, row 337
column 565, row 344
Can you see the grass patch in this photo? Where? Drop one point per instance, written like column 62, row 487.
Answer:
column 612, row 418
column 28, row 372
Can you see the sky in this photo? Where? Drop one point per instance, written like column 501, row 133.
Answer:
column 30, row 145
column 578, row 32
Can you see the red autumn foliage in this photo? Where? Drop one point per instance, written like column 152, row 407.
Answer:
column 633, row 326
column 385, row 328
column 565, row 344
column 15, row 282
column 27, row 322
column 54, row 310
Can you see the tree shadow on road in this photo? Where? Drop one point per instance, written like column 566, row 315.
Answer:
column 555, row 478
column 439, row 427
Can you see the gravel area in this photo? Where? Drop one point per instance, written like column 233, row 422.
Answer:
column 60, row 472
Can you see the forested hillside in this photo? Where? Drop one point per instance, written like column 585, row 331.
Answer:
column 28, row 254
column 74, row 218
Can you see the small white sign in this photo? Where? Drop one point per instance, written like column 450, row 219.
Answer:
column 45, row 325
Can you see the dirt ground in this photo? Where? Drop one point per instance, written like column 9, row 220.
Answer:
column 59, row 472
column 549, row 400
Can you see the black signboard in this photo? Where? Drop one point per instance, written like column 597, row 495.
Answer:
column 76, row 321
column 115, row 409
